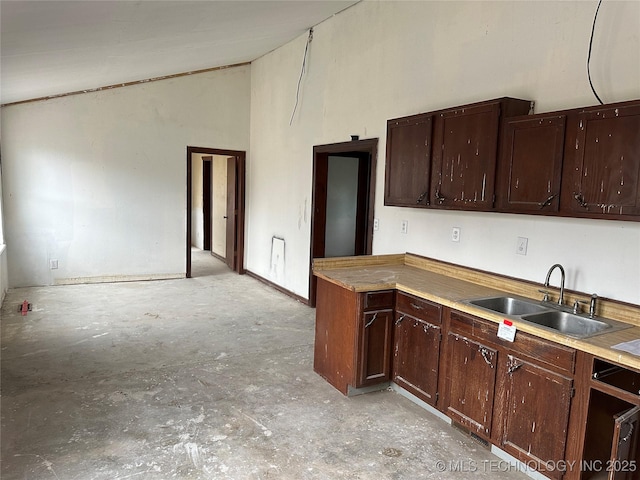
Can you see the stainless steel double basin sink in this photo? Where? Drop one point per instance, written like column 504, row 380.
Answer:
column 548, row 316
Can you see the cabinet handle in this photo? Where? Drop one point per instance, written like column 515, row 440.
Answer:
column 439, row 197
column 368, row 324
column 484, row 352
column 417, row 307
column 548, row 201
column 580, row 199
column 399, row 319
column 513, row 367
column 421, row 197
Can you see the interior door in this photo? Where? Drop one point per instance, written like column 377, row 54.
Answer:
column 206, row 202
column 624, row 453
column 232, row 209
column 365, row 152
column 341, row 223
column 232, row 213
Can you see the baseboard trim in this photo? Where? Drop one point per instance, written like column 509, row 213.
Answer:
column 275, row 286
column 219, row 257
column 117, row 278
column 418, row 401
column 511, row 463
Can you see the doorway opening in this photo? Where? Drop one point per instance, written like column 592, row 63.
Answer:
column 215, row 205
column 343, row 202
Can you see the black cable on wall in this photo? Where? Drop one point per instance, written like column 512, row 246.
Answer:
column 593, row 28
column 304, row 62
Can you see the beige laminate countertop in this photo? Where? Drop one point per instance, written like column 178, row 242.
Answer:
column 450, row 285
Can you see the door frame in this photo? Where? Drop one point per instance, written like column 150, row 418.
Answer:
column 321, row 153
column 240, row 157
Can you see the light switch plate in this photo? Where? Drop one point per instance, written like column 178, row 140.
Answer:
column 404, row 226
column 376, row 224
column 455, row 234
column 521, row 246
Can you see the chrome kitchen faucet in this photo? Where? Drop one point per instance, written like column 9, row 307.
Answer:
column 546, row 283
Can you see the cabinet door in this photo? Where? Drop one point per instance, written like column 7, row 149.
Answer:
column 408, row 162
column 464, row 157
column 471, row 383
column 625, row 453
column 375, row 348
column 536, row 414
column 603, row 167
column 531, row 164
column 415, row 356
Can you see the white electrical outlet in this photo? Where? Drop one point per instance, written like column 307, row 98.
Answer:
column 455, row 234
column 53, row 264
column 404, row 226
column 376, row 224
column 521, row 245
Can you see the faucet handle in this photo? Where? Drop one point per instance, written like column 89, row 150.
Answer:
column 592, row 305
column 576, row 305
column 546, row 294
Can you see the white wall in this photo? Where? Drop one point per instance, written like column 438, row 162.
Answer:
column 384, row 59
column 98, row 181
column 219, row 207
column 197, row 213
column 4, row 272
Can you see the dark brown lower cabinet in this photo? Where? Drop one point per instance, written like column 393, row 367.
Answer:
column 375, row 332
column 416, row 352
column 535, row 414
column 517, row 395
column 353, row 336
column 469, row 373
column 471, row 383
column 567, row 414
column 611, row 433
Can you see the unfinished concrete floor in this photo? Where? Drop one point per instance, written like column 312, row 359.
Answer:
column 204, row 378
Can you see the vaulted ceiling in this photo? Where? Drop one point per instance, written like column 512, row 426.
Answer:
column 55, row 47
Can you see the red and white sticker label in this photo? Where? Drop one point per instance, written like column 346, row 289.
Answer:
column 507, row 331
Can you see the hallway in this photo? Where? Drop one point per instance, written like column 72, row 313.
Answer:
column 203, row 378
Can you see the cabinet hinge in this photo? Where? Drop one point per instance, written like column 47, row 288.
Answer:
column 439, row 336
column 437, row 396
column 572, row 393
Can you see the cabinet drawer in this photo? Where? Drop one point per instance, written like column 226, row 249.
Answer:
column 419, row 308
column 545, row 352
column 383, row 299
column 540, row 351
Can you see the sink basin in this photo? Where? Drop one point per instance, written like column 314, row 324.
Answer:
column 508, row 305
column 568, row 323
column 548, row 316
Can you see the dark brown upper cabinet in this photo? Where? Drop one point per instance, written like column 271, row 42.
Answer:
column 492, row 156
column 530, row 165
column 465, row 149
column 408, row 161
column 601, row 173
